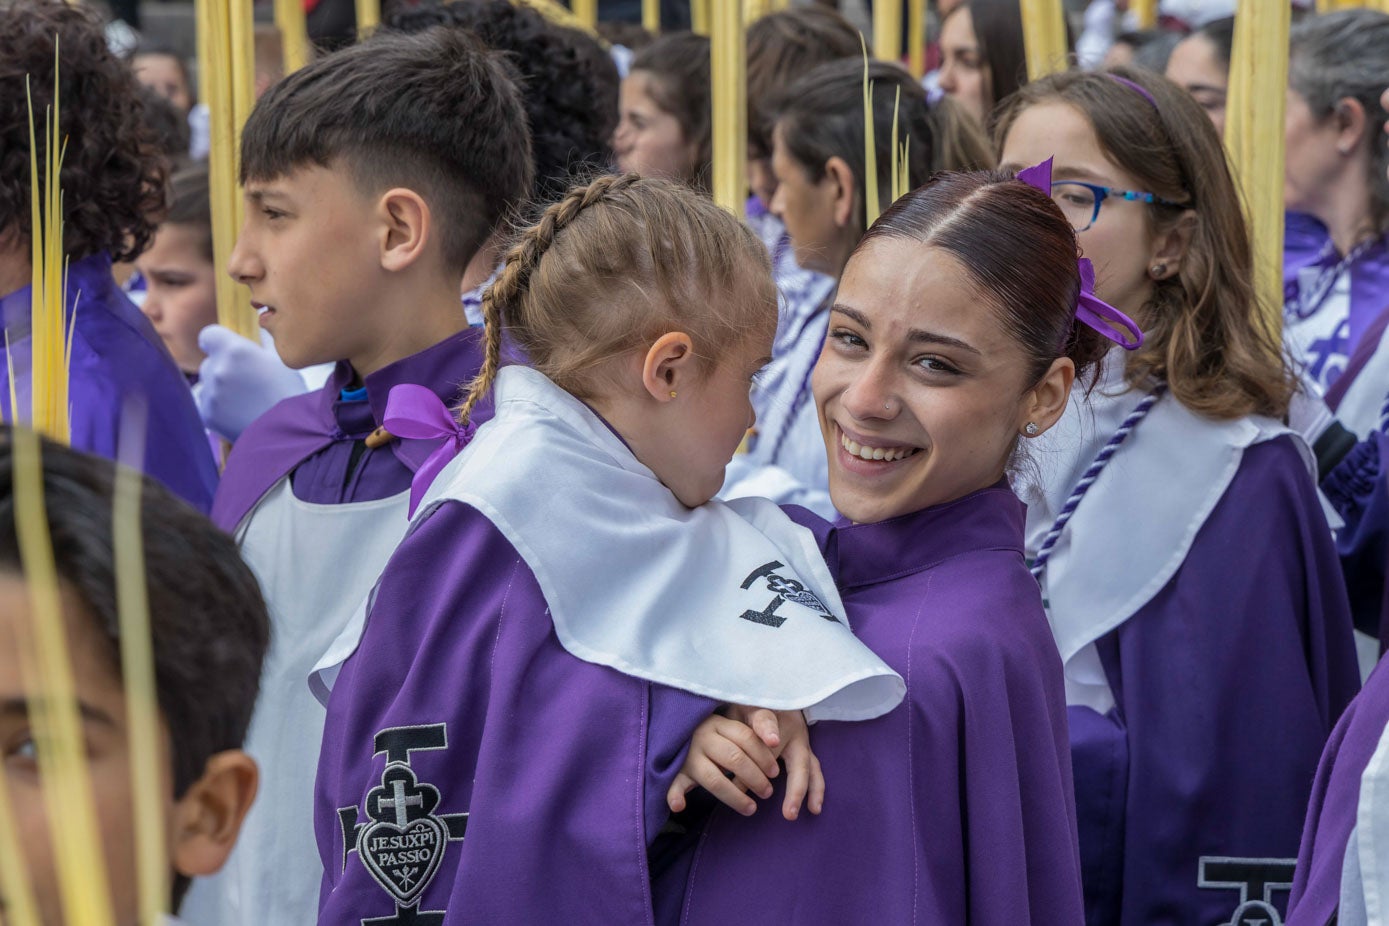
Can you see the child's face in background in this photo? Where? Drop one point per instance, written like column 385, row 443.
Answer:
column 102, row 702
column 181, row 291
column 650, row 141
column 164, row 75
column 309, row 252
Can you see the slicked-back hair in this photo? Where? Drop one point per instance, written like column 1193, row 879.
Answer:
column 208, row 622
column 435, row 112
column 1017, row 247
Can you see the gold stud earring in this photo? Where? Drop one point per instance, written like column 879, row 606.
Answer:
column 672, row 393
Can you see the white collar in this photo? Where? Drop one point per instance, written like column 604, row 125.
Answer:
column 1135, row 526
column 636, row 581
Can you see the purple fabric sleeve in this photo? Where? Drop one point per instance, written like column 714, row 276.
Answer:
column 542, row 769
column 1227, row 685
column 1335, row 798
column 117, row 356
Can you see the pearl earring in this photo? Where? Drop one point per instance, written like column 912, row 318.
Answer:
column 1031, row 429
column 1159, row 271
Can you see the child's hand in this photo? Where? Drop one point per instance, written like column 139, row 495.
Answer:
column 788, row 736
column 747, row 744
column 719, row 745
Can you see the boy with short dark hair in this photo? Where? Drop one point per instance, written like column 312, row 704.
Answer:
column 209, row 632
column 372, row 177
column 113, row 190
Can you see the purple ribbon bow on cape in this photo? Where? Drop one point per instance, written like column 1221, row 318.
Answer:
column 1090, row 309
column 416, row 413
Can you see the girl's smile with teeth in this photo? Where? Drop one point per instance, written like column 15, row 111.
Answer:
column 866, row 452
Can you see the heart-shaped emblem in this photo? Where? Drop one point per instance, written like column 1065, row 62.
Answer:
column 404, row 859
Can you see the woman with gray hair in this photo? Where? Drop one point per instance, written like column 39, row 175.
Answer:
column 1336, row 276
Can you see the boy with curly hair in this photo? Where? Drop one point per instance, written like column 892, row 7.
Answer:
column 113, row 183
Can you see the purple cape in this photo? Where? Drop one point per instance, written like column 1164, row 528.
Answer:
column 955, row 807
column 1335, row 799
column 473, row 771
column 116, row 356
column 318, row 436
column 1190, row 792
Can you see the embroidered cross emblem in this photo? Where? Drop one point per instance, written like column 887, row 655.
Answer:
column 403, row 842
column 1257, row 876
column 785, row 590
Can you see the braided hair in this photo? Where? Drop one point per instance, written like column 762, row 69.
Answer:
column 611, row 266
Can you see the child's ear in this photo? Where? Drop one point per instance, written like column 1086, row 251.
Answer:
column 668, row 365
column 207, row 819
column 407, row 227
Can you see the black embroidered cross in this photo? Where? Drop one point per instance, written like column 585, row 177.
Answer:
column 402, row 843
column 1259, row 877
column 785, row 590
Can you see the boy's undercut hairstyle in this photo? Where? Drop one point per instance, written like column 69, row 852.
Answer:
column 568, row 82
column 616, row 264
column 436, row 112
column 678, row 65
column 208, row 622
column 782, row 48
column 113, row 174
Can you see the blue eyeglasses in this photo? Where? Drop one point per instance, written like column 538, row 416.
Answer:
column 1081, row 202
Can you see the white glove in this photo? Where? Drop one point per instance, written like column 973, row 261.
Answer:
column 239, row 381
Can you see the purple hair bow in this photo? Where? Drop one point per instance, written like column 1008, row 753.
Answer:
column 416, row 413
column 1090, row 309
